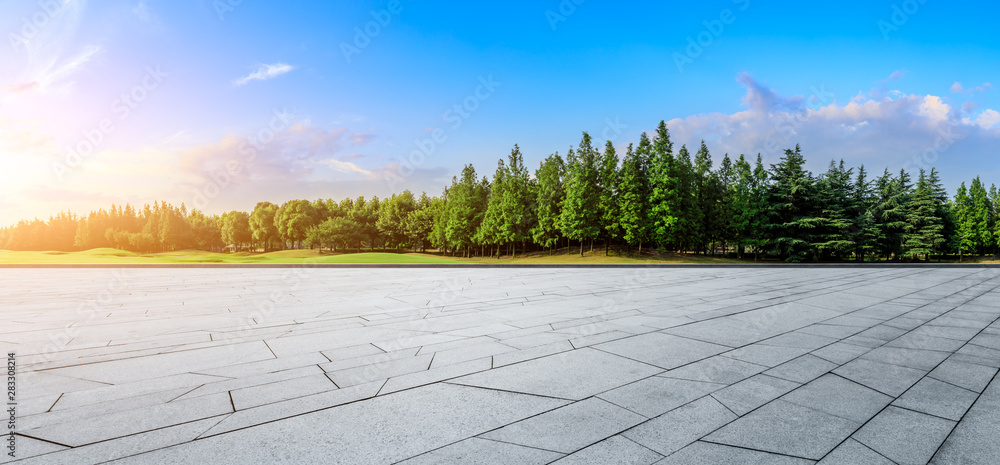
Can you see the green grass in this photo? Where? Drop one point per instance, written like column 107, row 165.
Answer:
column 564, row 256
column 114, row 256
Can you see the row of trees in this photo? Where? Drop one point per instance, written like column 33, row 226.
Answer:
column 651, row 197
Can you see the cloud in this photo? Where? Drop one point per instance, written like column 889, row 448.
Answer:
column 880, row 132
column 957, row 88
column 895, row 76
column 265, row 72
column 141, row 11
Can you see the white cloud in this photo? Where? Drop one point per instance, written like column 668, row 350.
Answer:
column 888, row 131
column 957, row 88
column 265, row 72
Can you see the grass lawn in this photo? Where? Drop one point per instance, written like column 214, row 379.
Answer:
column 114, row 256
column 564, row 256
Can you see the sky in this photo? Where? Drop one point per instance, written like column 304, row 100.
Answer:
column 220, row 104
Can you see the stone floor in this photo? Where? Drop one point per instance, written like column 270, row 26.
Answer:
column 529, row 365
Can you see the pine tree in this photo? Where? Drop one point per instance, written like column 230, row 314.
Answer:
column 548, row 200
column 965, row 226
column 468, row 197
column 517, row 205
column 833, row 223
column 663, row 196
column 607, row 182
column 633, row 198
column 491, row 231
column 924, row 229
column 995, row 215
column 864, row 232
column 689, row 219
column 725, row 179
column 980, row 216
column 580, row 220
column 791, row 200
column 707, row 195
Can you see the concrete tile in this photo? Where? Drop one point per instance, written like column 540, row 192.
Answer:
column 978, row 355
column 904, row 436
column 753, row 392
column 937, row 398
column 570, row 428
column 802, row 370
column 676, row 429
column 769, row 356
column 974, row 441
column 656, row 395
column 483, row 452
column 123, row 447
column 662, row 350
column 382, row 370
column 912, row 358
column 413, row 422
column 888, row 379
column 720, row 454
column 840, row 353
column 510, row 358
column 854, row 453
column 573, row 375
column 420, row 378
column 155, row 366
column 785, row 428
column 268, row 413
column 967, row 375
column 615, row 449
column 254, row 396
column 838, row 396
column 718, row 369
column 88, row 430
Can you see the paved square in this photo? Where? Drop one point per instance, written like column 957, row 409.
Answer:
column 505, row 365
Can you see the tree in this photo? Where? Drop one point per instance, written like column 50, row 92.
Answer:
column 707, row 192
column 548, row 201
column 420, row 222
column 925, row 228
column 791, row 214
column 293, row 220
column 517, row 208
column 689, row 219
column 468, row 205
column 262, row 225
column 580, row 220
column 864, row 232
column 664, row 203
column 965, row 225
column 833, row 223
column 979, row 216
column 205, row 229
column 491, row 230
column 392, row 215
column 633, row 198
column 235, row 228
column 607, row 184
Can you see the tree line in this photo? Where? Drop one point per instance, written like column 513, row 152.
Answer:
column 650, row 198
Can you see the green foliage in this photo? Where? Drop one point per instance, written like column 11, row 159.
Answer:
column 633, row 198
column 664, row 204
column 792, row 209
column 925, row 227
column 549, row 197
column 580, row 220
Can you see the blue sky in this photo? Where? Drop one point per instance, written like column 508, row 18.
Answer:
column 887, row 84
